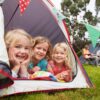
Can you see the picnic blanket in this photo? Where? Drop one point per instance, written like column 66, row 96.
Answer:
column 43, row 75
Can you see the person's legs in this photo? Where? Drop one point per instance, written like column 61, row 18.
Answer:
column 90, row 61
column 87, row 61
column 93, row 60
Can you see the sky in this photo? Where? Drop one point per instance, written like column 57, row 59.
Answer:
column 57, row 3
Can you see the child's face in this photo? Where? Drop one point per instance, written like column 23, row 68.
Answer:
column 59, row 55
column 20, row 51
column 40, row 50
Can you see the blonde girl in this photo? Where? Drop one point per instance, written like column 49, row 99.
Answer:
column 18, row 43
column 59, row 65
column 41, row 51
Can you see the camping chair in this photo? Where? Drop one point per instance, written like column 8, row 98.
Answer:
column 98, row 58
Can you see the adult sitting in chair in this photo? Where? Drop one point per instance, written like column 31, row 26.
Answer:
column 88, row 56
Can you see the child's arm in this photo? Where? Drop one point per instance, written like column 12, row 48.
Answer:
column 15, row 64
column 49, row 68
column 36, row 68
column 24, row 68
column 65, row 76
column 15, row 71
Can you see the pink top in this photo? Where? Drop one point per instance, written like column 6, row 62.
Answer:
column 56, row 70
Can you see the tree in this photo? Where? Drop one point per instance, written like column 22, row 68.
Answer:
column 72, row 8
column 97, row 5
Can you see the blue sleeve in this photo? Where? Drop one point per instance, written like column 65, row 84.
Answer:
column 43, row 64
column 30, row 66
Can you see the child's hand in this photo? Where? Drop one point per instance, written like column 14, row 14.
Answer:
column 36, row 68
column 24, row 67
column 13, row 60
column 26, row 61
column 60, row 76
column 65, row 73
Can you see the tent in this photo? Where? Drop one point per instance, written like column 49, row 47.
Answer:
column 42, row 18
column 5, row 72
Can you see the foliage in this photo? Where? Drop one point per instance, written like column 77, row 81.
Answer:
column 88, row 15
column 80, row 4
column 97, row 2
column 71, row 9
column 79, row 44
column 74, row 94
column 97, row 9
column 67, row 2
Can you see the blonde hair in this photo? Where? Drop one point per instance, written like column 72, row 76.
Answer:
column 42, row 39
column 11, row 37
column 64, row 46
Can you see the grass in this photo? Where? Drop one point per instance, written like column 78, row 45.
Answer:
column 78, row 94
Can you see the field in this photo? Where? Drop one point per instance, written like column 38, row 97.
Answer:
column 78, row 94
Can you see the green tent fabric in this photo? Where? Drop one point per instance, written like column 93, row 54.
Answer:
column 94, row 33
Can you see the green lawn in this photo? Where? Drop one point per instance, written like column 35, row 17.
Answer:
column 78, row 94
